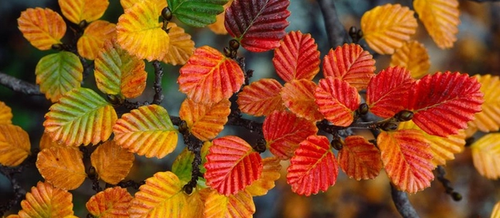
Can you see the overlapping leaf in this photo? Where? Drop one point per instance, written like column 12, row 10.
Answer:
column 359, row 159
column 182, row 165
column 205, row 121
column 440, row 18
column 298, row 96
column 80, row 117
column 489, row 118
column 44, row 200
column 496, row 211
column 351, row 64
column 77, row 11
column 261, row 98
column 112, row 162
column 47, row 142
column 297, row 57
column 5, row 114
column 258, row 25
column 407, row 159
column 196, row 13
column 181, row 46
column 313, row 167
column 218, row 27
column 412, row 56
column 112, row 202
column 239, row 205
column 147, row 130
column 270, row 173
column 209, row 76
column 231, row 165
column 62, row 167
column 486, row 155
column 42, row 27
column 93, row 38
column 58, row 73
column 14, row 145
column 337, row 100
column 196, row 204
column 387, row 27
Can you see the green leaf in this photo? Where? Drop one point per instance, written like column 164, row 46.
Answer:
column 183, row 167
column 197, row 13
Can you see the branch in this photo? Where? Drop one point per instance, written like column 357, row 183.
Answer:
column 336, row 33
column 18, row 85
column 158, row 97
column 402, row 203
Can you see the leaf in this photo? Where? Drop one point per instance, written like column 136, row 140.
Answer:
column 93, row 38
column 112, row 202
column 231, row 165
column 239, row 205
column 283, row 131
column 205, row 122
column 42, row 27
column 298, row 96
column 351, row 64
column 181, row 46
column 489, row 117
column 386, row 28
column 440, row 18
column 196, row 13
column 388, row 90
column 5, row 114
column 196, row 204
column 443, row 103
column 139, row 32
column 218, row 27
column 14, row 145
column 161, row 196
column 209, row 76
column 337, row 101
column 407, row 159
column 297, row 57
column 117, row 72
column 44, row 200
column 146, row 130
column 359, row 159
column 83, row 10
column 58, row 73
column 258, row 25
column 112, row 162
column 486, row 155
column 47, row 142
column 414, row 57
column 80, row 117
column 62, row 167
column 182, row 165
column 270, row 173
column 261, row 98
column 496, row 211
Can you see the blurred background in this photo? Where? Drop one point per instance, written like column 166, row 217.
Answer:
column 477, row 51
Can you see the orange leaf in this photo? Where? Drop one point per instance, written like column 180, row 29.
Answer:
column 412, row 56
column 407, row 159
column 42, row 27
column 5, row 114
column 337, row 100
column 181, row 46
column 261, row 98
column 489, row 117
column 47, row 142
column 93, row 38
column 298, row 96
column 359, row 159
column 218, row 27
column 112, row 202
column 351, row 64
column 14, row 145
column 195, row 204
column 112, row 162
column 496, row 211
column 209, row 76
column 239, row 205
column 83, row 10
column 440, row 18
column 44, row 200
column 486, row 155
column 62, row 167
column 205, row 121
column 270, row 173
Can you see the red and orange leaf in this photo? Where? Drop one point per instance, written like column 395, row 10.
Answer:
column 181, row 46
column 414, row 57
column 47, row 142
column 93, row 38
column 146, row 130
column 112, row 162
column 270, row 173
column 388, row 90
column 359, row 159
column 77, row 11
column 386, row 28
column 351, row 64
column 486, row 155
column 407, row 159
column 218, row 27
column 489, row 117
column 261, row 98
column 440, row 18
column 283, row 131
column 443, row 103
column 62, row 167
column 42, row 27
column 205, row 121
column 313, row 167
column 239, row 205
column 231, row 165
column 298, row 96
column 112, row 202
column 258, row 25
column 14, row 145
column 161, row 196
column 44, row 200
column 209, row 76
column 5, row 114
column 337, row 100
column 297, row 57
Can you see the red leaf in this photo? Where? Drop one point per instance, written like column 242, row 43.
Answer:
column 388, row 90
column 359, row 159
column 313, row 167
column 443, row 103
column 231, row 165
column 337, row 100
column 284, row 131
column 297, row 57
column 259, row 25
column 298, row 96
column 351, row 64
column 261, row 97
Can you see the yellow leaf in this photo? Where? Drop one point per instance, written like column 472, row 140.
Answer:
column 79, row 10
column 489, row 118
column 205, row 121
column 110, row 203
column 181, row 46
column 42, row 27
column 270, row 173
column 126, row 4
column 5, row 114
column 387, row 27
column 496, row 211
column 232, row 206
column 414, row 57
column 62, row 167
column 45, row 200
column 218, row 27
column 93, row 38
column 112, row 162
column 486, row 155
column 440, row 18
column 195, row 205
column 14, row 145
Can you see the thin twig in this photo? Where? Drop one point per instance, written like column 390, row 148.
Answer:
column 18, row 85
column 402, row 203
column 336, row 33
column 158, row 97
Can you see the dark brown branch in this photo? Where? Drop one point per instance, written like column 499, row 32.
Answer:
column 336, row 33
column 18, row 85
column 158, row 97
column 402, row 203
